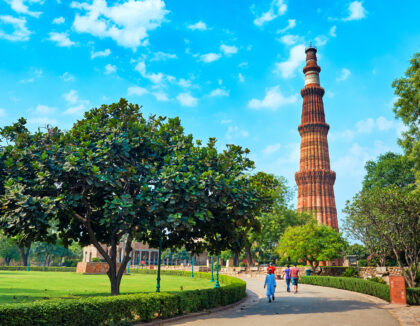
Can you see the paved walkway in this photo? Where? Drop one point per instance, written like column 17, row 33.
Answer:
column 312, row 306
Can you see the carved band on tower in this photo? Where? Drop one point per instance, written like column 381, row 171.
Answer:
column 314, row 179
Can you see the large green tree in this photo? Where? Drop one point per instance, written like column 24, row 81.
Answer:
column 311, row 242
column 393, row 213
column 26, row 207
column 117, row 176
column 8, row 249
column 389, row 169
column 407, row 108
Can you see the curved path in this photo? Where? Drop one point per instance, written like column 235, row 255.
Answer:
column 312, row 306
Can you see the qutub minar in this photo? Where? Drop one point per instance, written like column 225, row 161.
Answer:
column 315, row 180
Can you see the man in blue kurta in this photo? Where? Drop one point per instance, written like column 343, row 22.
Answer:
column 270, row 283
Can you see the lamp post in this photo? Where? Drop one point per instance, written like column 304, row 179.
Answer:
column 192, row 265
column 159, row 259
column 217, row 285
column 212, row 263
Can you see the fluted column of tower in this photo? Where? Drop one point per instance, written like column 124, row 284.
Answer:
column 314, row 179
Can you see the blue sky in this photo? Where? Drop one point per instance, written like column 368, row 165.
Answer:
column 230, row 69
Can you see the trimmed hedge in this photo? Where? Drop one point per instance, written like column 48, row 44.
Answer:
column 38, row 268
column 413, row 296
column 123, row 309
column 349, row 283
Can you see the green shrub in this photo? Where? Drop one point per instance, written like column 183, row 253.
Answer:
column 413, row 296
column 38, row 268
column 96, row 260
column 377, row 280
column 242, row 264
column 362, row 263
column 123, row 309
column 351, row 272
column 351, row 284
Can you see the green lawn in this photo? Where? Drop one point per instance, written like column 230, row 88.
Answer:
column 16, row 286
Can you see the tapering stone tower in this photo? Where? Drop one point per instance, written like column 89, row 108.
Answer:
column 315, row 180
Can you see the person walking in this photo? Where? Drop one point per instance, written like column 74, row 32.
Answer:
column 273, row 269
column 286, row 274
column 270, row 283
column 294, row 273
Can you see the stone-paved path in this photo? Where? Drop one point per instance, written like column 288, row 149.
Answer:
column 312, row 306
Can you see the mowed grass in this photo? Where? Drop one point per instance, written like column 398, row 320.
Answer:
column 19, row 286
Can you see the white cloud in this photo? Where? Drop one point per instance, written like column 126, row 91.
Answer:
column 2, row 112
column 224, row 122
column 277, row 8
column 127, row 23
column 273, row 99
column 71, row 97
column 61, row 39
column 186, row 99
column 37, row 73
column 110, row 69
column 384, row 124
column 209, row 57
column 321, row 40
column 270, row 149
column 162, row 56
column 153, row 77
column 228, row 50
column 160, row 78
column 20, row 7
column 27, row 81
column 296, row 58
column 200, row 26
column 241, row 78
column 42, row 121
column 333, row 31
column 137, row 90
column 290, row 25
column 44, row 109
column 20, row 32
column 289, row 39
column 184, row 83
column 219, row 92
column 365, row 126
column 356, row 11
column 161, row 96
column 345, row 73
column 75, row 103
column 236, row 132
column 59, row 20
column 67, row 77
column 103, row 53
column 75, row 110
column 353, row 162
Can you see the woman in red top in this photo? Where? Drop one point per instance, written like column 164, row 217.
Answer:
column 270, row 266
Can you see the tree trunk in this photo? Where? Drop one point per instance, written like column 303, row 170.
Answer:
column 249, row 256
column 7, row 261
column 24, row 254
column 236, row 260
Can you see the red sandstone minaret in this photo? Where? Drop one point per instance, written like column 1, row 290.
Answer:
column 315, row 180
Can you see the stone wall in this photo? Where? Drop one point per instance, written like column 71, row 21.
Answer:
column 93, row 268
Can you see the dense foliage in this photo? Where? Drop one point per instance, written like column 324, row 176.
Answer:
column 407, row 108
column 117, row 176
column 311, row 242
column 349, row 283
column 393, row 214
column 123, row 309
